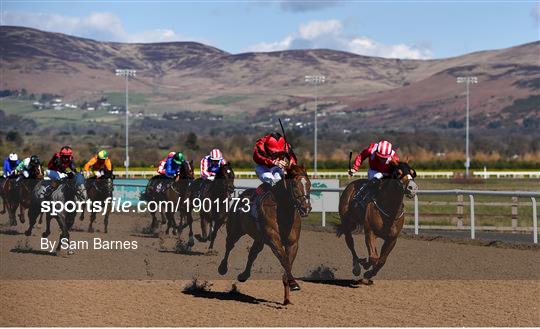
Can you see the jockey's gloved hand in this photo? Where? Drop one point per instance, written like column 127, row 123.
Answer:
column 211, row 178
column 352, row 172
column 99, row 174
column 86, row 174
column 26, row 174
column 280, row 163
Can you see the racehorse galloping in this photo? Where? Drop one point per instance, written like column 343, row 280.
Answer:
column 218, row 190
column 178, row 191
column 279, row 226
column 383, row 217
column 25, row 187
column 10, row 196
column 99, row 189
column 71, row 189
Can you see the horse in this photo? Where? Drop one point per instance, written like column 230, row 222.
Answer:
column 3, row 181
column 383, row 218
column 175, row 189
column 11, row 199
column 24, row 188
column 71, row 188
column 99, row 189
column 217, row 191
column 280, row 212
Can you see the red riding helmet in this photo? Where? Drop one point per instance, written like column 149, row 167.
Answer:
column 66, row 151
column 275, row 143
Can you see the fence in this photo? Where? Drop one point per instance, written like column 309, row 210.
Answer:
column 457, row 192
column 343, row 174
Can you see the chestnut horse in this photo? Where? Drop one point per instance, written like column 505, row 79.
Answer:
column 279, row 227
column 383, row 218
column 217, row 192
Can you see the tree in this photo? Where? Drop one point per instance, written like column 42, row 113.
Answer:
column 191, row 142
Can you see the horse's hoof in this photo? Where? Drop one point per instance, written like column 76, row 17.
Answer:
column 357, row 269
column 367, row 282
column 191, row 242
column 28, row 233
column 286, row 302
column 355, row 283
column 22, row 219
column 242, row 277
column 222, row 269
column 200, row 238
column 365, row 264
column 105, row 231
column 45, row 234
column 90, row 230
column 294, row 285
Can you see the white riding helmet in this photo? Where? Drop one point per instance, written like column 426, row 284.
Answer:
column 13, row 157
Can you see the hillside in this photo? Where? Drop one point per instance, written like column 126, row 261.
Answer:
column 191, row 76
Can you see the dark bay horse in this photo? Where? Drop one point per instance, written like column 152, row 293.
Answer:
column 216, row 191
column 99, row 189
column 280, row 213
column 71, row 188
column 383, row 218
column 174, row 190
column 11, row 199
column 25, row 188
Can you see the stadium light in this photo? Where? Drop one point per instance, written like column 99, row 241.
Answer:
column 126, row 73
column 467, row 81
column 315, row 80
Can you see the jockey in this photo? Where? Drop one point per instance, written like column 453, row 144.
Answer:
column 27, row 166
column 173, row 165
column 161, row 166
column 100, row 164
column 10, row 163
column 62, row 162
column 381, row 156
column 270, row 154
column 211, row 164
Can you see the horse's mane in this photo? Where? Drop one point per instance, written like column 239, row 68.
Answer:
column 296, row 170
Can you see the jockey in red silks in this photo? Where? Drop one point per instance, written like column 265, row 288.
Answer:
column 271, row 153
column 381, row 155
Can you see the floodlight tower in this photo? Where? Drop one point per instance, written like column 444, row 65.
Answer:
column 467, row 81
column 126, row 73
column 315, row 80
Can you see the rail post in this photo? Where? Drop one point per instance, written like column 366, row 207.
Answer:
column 514, row 212
column 535, row 220
column 471, row 198
column 323, row 215
column 460, row 211
column 416, row 214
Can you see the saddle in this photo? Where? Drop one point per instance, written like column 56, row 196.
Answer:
column 256, row 198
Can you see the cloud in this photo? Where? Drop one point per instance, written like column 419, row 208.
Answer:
column 535, row 13
column 101, row 26
column 298, row 6
column 330, row 34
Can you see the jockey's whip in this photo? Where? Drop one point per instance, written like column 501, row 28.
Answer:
column 283, row 132
column 350, row 159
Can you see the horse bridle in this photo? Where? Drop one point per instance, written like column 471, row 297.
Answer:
column 300, row 198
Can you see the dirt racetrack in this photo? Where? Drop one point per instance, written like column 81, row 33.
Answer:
column 424, row 283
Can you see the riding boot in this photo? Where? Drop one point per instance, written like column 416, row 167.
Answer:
column 371, row 189
column 261, row 191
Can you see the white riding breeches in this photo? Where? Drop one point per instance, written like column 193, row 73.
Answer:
column 270, row 175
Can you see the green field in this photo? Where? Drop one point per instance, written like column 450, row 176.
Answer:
column 119, row 98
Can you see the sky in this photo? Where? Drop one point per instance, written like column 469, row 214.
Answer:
column 392, row 29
